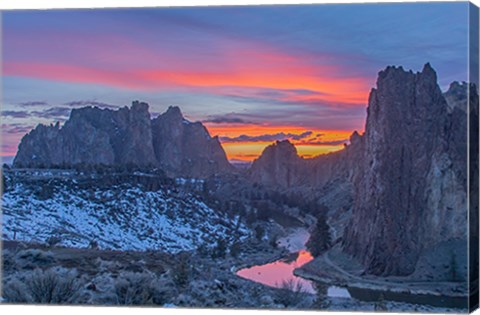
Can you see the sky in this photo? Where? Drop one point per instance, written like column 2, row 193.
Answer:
column 252, row 75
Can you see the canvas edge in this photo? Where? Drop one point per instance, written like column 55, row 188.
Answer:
column 473, row 158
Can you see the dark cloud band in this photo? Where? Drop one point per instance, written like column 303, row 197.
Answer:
column 267, row 137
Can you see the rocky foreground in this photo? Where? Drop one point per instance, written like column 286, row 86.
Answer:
column 187, row 279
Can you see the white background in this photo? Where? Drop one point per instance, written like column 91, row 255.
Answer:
column 36, row 4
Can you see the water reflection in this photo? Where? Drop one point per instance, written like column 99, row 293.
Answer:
column 276, row 273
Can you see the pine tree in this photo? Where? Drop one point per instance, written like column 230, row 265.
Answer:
column 259, row 232
column 320, row 240
column 220, row 249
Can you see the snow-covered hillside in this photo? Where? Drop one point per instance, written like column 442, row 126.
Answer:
column 123, row 216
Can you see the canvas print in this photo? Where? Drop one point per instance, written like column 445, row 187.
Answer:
column 312, row 157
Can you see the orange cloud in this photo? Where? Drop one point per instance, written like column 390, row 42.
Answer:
column 315, row 144
column 249, row 65
column 249, row 151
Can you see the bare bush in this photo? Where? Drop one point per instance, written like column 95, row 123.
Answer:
column 55, row 286
column 380, row 305
column 132, row 288
column 15, row 291
column 52, row 286
column 52, row 241
column 34, row 258
column 8, row 261
column 181, row 271
column 107, row 265
column 291, row 293
column 321, row 300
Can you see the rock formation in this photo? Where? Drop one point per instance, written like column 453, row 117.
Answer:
column 94, row 136
column 91, row 136
column 406, row 176
column 186, row 148
column 278, row 166
column 410, row 187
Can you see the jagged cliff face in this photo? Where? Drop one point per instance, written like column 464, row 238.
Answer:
column 183, row 147
column 94, row 136
column 278, row 166
column 91, row 136
column 406, row 175
column 410, row 186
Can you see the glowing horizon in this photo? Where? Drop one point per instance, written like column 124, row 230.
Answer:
column 317, row 142
column 308, row 142
column 252, row 83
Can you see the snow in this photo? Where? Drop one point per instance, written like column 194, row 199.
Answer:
column 338, row 292
column 123, row 217
column 295, row 240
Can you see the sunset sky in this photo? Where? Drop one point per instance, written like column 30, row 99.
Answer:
column 252, row 75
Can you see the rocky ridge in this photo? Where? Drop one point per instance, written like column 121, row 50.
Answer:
column 280, row 166
column 410, row 186
column 94, row 136
column 186, row 148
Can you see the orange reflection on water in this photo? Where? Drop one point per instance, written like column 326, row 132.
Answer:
column 276, row 273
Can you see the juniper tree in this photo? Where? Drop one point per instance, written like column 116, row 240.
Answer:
column 320, row 240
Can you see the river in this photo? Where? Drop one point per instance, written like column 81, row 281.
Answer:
column 278, row 273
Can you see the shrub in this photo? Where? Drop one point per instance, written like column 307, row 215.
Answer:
column 34, row 258
column 259, row 232
column 8, row 261
column 53, row 241
column 291, row 293
column 132, row 288
column 45, row 191
column 380, row 304
column 52, row 286
column 321, row 300
column 93, row 244
column 181, row 271
column 15, row 291
column 58, row 286
column 220, row 249
column 235, row 249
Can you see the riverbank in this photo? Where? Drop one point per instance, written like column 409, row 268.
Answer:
column 278, row 273
column 207, row 282
column 336, row 268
